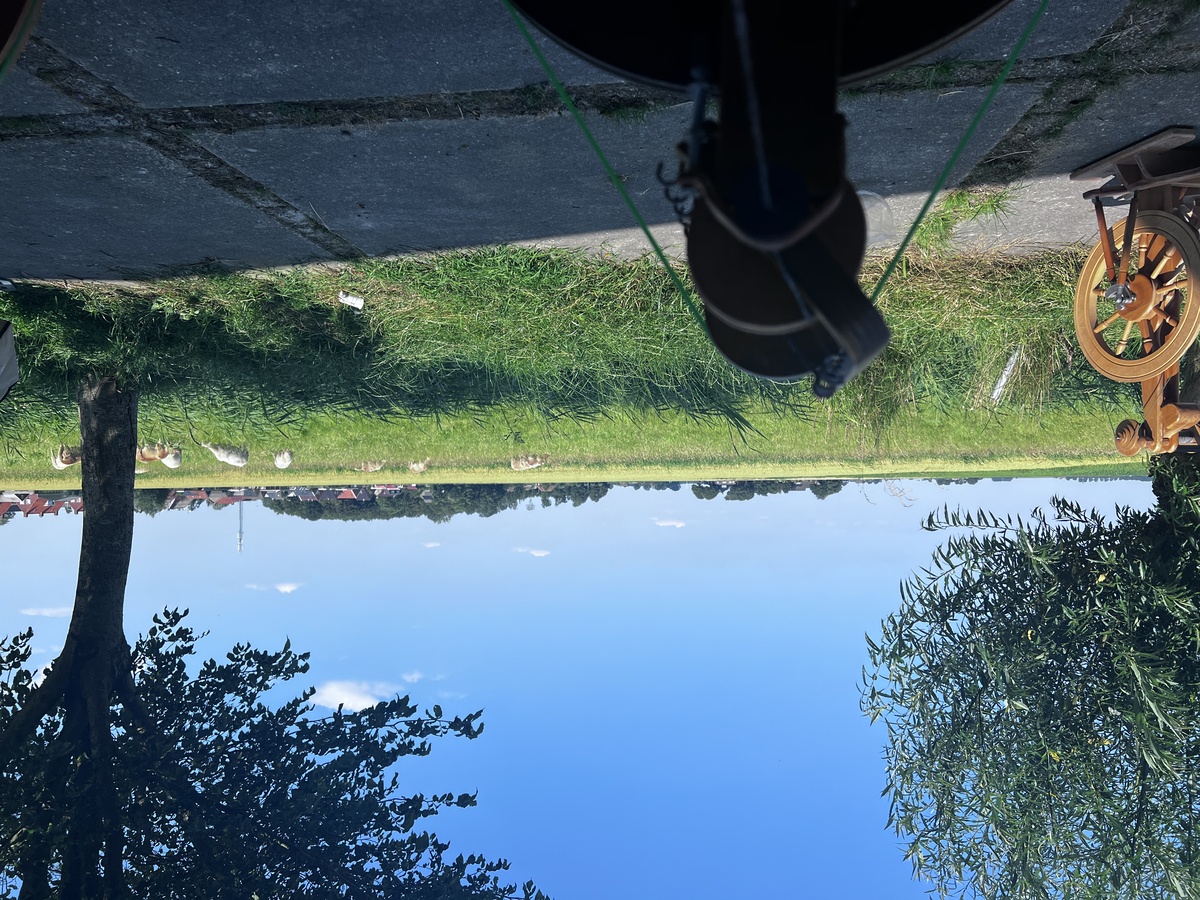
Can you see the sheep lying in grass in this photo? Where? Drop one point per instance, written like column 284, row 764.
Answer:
column 529, row 461
column 171, row 457
column 283, row 459
column 65, row 456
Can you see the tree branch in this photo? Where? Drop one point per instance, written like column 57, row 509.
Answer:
column 42, row 701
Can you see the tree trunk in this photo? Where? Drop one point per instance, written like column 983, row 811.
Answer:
column 108, row 427
column 96, row 643
column 94, row 664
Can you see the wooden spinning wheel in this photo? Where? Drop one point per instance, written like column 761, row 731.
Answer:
column 1136, row 311
column 1136, row 327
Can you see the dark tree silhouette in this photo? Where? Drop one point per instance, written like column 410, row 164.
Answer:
column 440, row 503
column 124, row 775
column 1040, row 688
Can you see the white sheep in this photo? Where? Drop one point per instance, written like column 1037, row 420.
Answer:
column 529, row 461
column 171, row 457
column 234, row 456
column 65, row 456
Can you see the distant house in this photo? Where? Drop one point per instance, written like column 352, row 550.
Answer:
column 35, row 505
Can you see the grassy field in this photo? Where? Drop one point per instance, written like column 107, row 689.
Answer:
column 331, row 449
column 470, row 359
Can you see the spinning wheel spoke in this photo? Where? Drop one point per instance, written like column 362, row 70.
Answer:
column 1162, row 261
column 1124, row 341
column 1163, row 313
column 1103, row 326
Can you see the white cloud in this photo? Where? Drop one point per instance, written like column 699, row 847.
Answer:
column 430, row 544
column 287, row 587
column 54, row 612
column 256, row 587
column 353, row 695
column 531, row 551
column 669, row 523
column 411, row 677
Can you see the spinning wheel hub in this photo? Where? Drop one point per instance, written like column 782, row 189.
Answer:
column 1138, row 301
column 1120, row 296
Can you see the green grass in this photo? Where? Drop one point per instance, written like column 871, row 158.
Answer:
column 668, row 447
column 935, row 234
column 594, row 360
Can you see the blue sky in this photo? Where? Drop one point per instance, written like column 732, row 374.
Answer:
column 669, row 685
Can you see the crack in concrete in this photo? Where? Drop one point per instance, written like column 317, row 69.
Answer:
column 205, row 164
column 71, row 79
column 619, row 100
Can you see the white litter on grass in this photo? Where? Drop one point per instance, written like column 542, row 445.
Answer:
column 1008, row 370
column 351, row 300
column 5, row 285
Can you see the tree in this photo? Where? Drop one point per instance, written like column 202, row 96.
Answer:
column 826, row 488
column 440, row 503
column 123, row 775
column 1040, row 688
column 150, row 501
column 224, row 794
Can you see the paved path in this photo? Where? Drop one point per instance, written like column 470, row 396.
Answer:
column 140, row 139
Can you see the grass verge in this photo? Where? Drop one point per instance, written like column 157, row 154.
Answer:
column 473, row 358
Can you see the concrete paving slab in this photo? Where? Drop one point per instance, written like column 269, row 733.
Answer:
column 622, row 243
column 1122, row 115
column 439, row 184
column 23, row 95
column 1187, row 33
column 1067, row 26
column 110, row 207
column 227, row 51
column 1048, row 211
column 898, row 143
